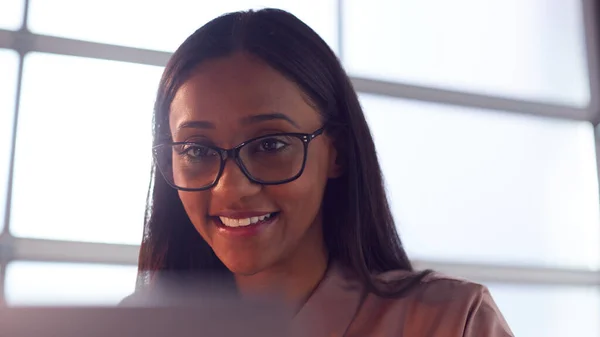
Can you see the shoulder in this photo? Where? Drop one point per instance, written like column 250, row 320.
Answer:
column 431, row 286
column 435, row 301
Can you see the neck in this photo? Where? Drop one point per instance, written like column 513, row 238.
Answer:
column 292, row 280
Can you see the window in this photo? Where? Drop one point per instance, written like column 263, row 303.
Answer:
column 549, row 311
column 11, row 14
column 161, row 25
column 531, row 50
column 465, row 185
column 83, row 148
column 43, row 283
column 9, row 64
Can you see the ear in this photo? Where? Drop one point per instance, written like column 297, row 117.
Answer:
column 335, row 169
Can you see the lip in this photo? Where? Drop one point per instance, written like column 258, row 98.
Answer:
column 241, row 214
column 245, row 231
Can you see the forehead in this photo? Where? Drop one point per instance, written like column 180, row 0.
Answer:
column 225, row 90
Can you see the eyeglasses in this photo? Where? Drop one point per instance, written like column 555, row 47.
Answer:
column 267, row 160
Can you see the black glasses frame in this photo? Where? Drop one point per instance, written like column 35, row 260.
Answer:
column 234, row 153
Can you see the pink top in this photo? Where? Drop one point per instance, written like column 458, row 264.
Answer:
column 430, row 306
column 436, row 306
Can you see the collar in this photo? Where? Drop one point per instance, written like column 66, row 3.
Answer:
column 330, row 309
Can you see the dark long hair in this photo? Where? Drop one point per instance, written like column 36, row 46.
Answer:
column 359, row 229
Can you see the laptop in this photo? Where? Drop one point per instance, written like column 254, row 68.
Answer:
column 180, row 305
column 213, row 319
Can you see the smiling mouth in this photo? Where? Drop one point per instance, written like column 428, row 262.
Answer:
column 245, row 222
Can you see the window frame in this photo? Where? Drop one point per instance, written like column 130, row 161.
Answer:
column 23, row 42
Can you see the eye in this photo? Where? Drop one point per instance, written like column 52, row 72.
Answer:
column 271, row 145
column 196, row 151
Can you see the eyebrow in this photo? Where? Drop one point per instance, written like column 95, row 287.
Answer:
column 246, row 120
column 196, row 125
column 269, row 117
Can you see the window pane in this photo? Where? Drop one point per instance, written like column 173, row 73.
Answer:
column 549, row 311
column 83, row 154
column 524, row 49
column 9, row 62
column 489, row 187
column 162, row 25
column 43, row 283
column 11, row 14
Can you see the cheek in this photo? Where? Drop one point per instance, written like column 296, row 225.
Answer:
column 301, row 198
column 196, row 206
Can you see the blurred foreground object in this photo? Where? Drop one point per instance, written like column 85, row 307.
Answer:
column 178, row 304
column 223, row 319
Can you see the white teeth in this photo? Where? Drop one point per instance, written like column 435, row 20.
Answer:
column 229, row 222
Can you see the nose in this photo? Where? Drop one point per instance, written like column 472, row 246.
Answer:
column 233, row 183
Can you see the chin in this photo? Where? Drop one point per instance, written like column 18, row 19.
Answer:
column 244, row 267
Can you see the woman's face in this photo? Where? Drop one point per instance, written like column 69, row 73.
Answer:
column 228, row 101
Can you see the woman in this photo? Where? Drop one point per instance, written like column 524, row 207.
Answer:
column 266, row 172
